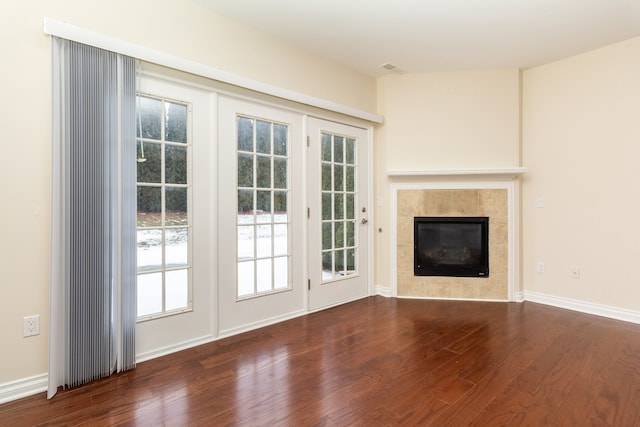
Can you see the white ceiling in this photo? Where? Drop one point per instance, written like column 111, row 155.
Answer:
column 440, row 35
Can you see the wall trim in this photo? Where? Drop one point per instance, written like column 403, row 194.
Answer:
column 584, row 307
column 24, row 387
column 82, row 35
column 383, row 291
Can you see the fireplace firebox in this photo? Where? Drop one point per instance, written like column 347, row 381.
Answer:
column 451, row 246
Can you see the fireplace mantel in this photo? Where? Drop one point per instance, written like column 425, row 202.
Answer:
column 497, row 173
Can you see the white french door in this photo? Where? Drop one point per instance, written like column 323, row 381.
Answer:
column 338, row 193
column 261, row 215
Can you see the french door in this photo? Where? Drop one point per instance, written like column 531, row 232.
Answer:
column 261, row 215
column 338, row 193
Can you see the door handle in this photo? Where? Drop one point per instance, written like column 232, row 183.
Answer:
column 364, row 221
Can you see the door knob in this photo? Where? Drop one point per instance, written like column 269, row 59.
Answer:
column 364, row 221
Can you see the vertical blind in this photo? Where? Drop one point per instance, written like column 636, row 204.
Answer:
column 93, row 274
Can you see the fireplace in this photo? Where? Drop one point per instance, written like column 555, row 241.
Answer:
column 451, row 246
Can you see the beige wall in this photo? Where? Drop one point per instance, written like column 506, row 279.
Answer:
column 177, row 27
column 581, row 138
column 455, row 120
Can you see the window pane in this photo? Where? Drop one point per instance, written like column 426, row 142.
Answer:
column 263, row 172
column 176, row 165
column 149, row 120
column 280, row 206
column 177, row 286
column 326, row 177
column 327, row 265
column 327, row 235
column 245, row 278
column 149, row 253
column 338, row 147
column 350, row 178
column 176, row 126
column 339, row 262
column 351, row 234
column 280, row 239
column 351, row 260
column 245, row 242
column 326, row 206
column 338, row 206
column 263, row 137
column 350, row 151
column 245, row 134
column 339, row 226
column 351, row 209
column 264, row 203
column 149, row 206
column 263, row 278
column 280, row 140
column 176, row 206
column 280, row 273
column 263, row 241
column 326, row 147
column 338, row 178
column 245, row 170
column 245, row 203
column 149, row 293
column 149, row 163
column 176, row 247
column 279, row 173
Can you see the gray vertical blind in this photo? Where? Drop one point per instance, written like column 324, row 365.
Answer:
column 93, row 286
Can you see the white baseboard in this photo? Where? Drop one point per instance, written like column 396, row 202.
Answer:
column 24, row 387
column 584, row 307
column 382, row 291
column 163, row 351
column 250, row 327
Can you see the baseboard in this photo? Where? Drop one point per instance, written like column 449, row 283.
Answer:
column 518, row 296
column 163, row 351
column 453, row 299
column 584, row 307
column 18, row 389
column 250, row 327
column 382, row 291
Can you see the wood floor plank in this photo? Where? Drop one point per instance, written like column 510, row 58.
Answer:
column 377, row 362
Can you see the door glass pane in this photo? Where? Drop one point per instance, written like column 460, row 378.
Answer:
column 338, row 149
column 350, row 151
column 279, row 173
column 177, row 289
column 280, row 273
column 176, row 126
column 175, row 164
column 245, row 170
column 246, row 240
column 149, row 294
column 326, row 147
column 149, row 206
column 264, row 241
column 263, row 172
column 176, row 206
column 280, row 140
column 280, row 240
column 246, row 278
column 149, row 162
column 245, row 134
column 149, row 253
column 263, row 276
column 176, row 247
column 149, row 120
column 263, row 137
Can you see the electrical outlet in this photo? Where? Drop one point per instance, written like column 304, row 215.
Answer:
column 31, row 325
column 540, row 267
column 574, row 272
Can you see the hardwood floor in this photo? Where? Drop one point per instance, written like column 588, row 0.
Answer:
column 378, row 362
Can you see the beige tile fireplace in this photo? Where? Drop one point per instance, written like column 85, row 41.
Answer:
column 432, row 196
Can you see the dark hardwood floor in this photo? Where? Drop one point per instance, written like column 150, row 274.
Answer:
column 378, row 362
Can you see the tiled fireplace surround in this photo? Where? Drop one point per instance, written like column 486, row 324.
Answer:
column 493, row 200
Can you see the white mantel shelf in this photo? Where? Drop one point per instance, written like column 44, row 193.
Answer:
column 504, row 173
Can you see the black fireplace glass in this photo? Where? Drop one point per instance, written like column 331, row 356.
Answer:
column 451, row 246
